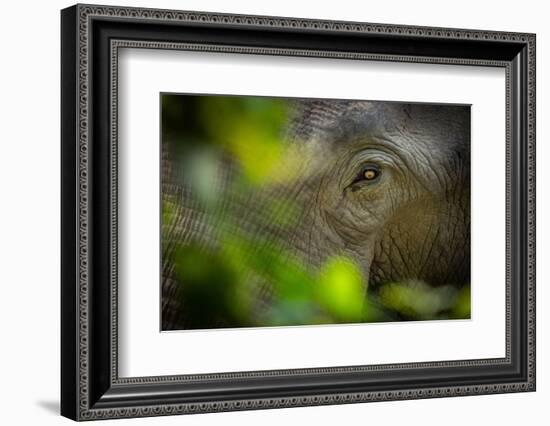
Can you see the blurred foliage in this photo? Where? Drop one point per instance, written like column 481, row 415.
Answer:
column 219, row 286
column 418, row 300
column 206, row 287
column 249, row 128
column 340, row 289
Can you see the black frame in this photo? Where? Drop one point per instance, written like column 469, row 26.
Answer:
column 90, row 386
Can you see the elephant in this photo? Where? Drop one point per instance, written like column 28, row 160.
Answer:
column 383, row 184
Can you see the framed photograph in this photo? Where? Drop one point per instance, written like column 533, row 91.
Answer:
column 263, row 212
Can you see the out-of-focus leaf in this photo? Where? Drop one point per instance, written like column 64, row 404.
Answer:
column 462, row 306
column 293, row 282
column 202, row 170
column 206, row 285
column 292, row 312
column 168, row 213
column 258, row 152
column 340, row 289
column 416, row 299
column 251, row 128
column 375, row 312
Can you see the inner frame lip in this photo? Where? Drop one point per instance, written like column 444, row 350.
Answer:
column 193, row 93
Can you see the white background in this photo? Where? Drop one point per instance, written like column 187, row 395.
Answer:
column 146, row 352
column 29, row 225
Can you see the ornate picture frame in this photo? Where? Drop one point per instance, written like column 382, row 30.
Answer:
column 91, row 37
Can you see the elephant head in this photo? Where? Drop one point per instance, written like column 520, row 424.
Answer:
column 384, row 184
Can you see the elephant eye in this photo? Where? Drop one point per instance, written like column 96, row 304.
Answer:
column 369, row 173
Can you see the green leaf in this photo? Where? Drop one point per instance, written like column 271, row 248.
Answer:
column 462, row 306
column 341, row 289
column 418, row 300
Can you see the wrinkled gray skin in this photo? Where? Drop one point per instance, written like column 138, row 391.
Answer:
column 411, row 223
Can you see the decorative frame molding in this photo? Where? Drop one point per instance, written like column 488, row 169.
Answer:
column 91, row 37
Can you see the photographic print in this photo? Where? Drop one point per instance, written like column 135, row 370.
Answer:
column 287, row 211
